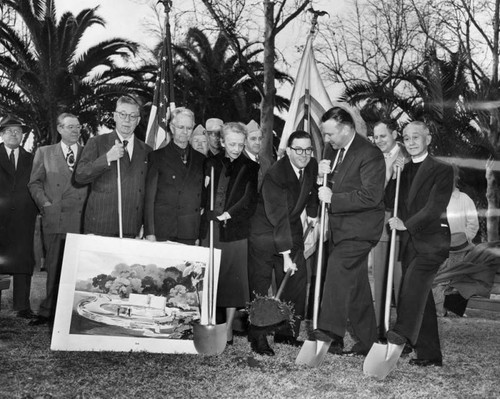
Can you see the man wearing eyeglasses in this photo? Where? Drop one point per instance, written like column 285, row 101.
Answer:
column 355, row 173
column 174, row 185
column 276, row 241
column 213, row 128
column 98, row 166
column 17, row 214
column 60, row 201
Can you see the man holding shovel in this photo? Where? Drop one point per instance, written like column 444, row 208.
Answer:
column 426, row 187
column 276, row 235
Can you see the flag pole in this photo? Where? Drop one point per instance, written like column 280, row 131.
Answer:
column 167, row 4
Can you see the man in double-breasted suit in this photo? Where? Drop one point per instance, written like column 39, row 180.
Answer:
column 276, row 233
column 17, row 214
column 253, row 145
column 426, row 187
column 98, row 166
column 174, row 186
column 60, row 201
column 355, row 193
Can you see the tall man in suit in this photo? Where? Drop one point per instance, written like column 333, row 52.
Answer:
column 276, row 241
column 426, row 187
column 253, row 145
column 17, row 214
column 60, row 201
column 98, row 166
column 355, row 194
column 174, row 185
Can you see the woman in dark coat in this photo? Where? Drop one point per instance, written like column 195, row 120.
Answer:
column 235, row 192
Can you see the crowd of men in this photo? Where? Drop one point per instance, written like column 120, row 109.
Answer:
column 74, row 189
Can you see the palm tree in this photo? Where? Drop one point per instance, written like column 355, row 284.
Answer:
column 44, row 75
column 210, row 80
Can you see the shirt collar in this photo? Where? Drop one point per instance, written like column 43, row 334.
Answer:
column 420, row 158
column 295, row 169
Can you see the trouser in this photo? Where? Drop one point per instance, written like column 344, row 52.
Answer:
column 21, row 291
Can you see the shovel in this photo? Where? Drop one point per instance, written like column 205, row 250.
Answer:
column 312, row 352
column 211, row 338
column 382, row 359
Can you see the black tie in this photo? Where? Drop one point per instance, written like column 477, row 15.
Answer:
column 127, row 155
column 70, row 158
column 301, row 176
column 339, row 160
column 12, row 159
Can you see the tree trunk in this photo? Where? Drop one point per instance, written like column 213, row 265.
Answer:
column 267, row 104
column 492, row 195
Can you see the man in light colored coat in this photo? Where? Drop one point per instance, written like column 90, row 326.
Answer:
column 60, row 201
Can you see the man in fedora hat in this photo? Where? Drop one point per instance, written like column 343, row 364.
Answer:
column 17, row 214
column 213, row 127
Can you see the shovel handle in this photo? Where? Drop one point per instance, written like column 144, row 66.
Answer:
column 119, row 189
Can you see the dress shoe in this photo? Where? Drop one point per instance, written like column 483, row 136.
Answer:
column 327, row 336
column 407, row 350
column 26, row 314
column 396, row 339
column 260, row 346
column 287, row 340
column 426, row 362
column 356, row 350
column 229, row 342
column 40, row 320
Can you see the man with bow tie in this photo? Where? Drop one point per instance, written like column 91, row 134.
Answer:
column 60, row 201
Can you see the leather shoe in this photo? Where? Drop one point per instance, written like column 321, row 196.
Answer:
column 26, row 314
column 426, row 362
column 40, row 320
column 287, row 340
column 230, row 342
column 396, row 339
column 260, row 346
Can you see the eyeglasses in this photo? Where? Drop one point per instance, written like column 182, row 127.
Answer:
column 186, row 128
column 300, row 151
column 123, row 115
column 71, row 127
column 13, row 132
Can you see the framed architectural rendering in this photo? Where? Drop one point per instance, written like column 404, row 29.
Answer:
column 119, row 294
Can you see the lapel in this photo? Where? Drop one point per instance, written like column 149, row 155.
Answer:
column 349, row 157
column 421, row 176
column 172, row 158
column 57, row 155
column 4, row 160
column 292, row 182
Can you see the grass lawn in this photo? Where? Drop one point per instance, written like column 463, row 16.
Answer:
column 29, row 369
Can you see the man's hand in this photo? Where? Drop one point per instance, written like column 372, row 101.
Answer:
column 325, row 195
column 116, row 152
column 225, row 216
column 398, row 163
column 288, row 264
column 396, row 223
column 324, row 168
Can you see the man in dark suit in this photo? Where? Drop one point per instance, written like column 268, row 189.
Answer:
column 253, row 145
column 355, row 193
column 98, row 166
column 174, row 186
column 213, row 128
column 426, row 187
column 17, row 214
column 276, row 241
column 60, row 201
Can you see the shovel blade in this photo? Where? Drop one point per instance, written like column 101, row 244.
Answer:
column 210, row 339
column 312, row 353
column 381, row 360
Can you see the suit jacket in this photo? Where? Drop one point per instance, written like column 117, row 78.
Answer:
column 264, row 165
column 52, row 181
column 174, row 194
column 281, row 202
column 422, row 206
column 357, row 207
column 101, row 211
column 241, row 194
column 17, row 214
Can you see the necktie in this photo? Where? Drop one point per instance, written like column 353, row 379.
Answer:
column 339, row 160
column 127, row 155
column 70, row 158
column 12, row 159
column 257, row 158
column 301, row 176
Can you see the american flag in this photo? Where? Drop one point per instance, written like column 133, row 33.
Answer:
column 156, row 135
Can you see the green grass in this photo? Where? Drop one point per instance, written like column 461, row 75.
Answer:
column 29, row 369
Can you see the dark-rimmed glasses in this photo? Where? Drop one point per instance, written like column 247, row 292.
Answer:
column 300, row 151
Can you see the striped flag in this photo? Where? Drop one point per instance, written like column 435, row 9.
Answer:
column 156, row 134
column 309, row 102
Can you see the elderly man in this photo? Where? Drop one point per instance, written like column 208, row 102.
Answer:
column 253, row 145
column 213, row 127
column 174, row 186
column 426, row 187
column 98, row 166
column 17, row 214
column 199, row 141
column 355, row 193
column 60, row 200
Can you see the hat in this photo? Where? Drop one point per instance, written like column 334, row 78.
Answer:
column 213, row 124
column 199, row 130
column 9, row 121
column 459, row 243
column 253, row 126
